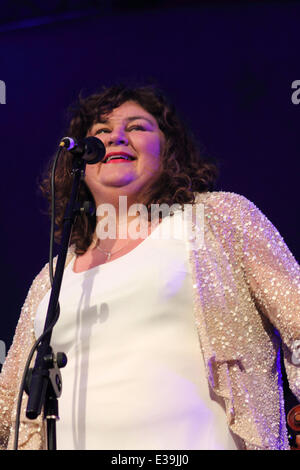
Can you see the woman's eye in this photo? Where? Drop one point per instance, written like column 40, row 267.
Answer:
column 136, row 127
column 99, row 131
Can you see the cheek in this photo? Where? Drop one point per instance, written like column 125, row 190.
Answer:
column 152, row 149
column 151, row 163
column 90, row 172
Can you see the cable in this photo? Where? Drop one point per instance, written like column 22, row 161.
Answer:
column 21, row 389
column 52, row 214
column 36, row 344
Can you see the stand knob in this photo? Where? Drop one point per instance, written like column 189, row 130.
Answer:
column 293, row 420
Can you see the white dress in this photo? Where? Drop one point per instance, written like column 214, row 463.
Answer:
column 135, row 377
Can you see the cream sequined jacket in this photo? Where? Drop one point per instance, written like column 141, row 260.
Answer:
column 246, row 289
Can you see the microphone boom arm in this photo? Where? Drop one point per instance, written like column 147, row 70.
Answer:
column 44, row 369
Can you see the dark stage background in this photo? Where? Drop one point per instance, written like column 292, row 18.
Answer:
column 228, row 66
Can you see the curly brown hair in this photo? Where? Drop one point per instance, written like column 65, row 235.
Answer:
column 184, row 171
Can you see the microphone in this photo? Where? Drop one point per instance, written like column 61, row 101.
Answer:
column 90, row 149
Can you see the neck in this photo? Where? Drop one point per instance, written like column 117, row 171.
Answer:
column 120, row 218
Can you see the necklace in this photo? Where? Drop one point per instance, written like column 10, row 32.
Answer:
column 109, row 253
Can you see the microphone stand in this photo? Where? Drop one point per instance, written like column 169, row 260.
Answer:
column 44, row 383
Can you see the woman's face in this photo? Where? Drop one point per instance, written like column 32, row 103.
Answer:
column 129, row 131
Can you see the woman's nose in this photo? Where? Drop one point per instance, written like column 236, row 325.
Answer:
column 117, row 136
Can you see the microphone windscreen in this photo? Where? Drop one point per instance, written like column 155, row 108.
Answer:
column 94, row 150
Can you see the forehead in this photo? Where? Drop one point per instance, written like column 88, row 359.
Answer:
column 127, row 111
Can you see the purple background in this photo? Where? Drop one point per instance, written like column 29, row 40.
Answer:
column 227, row 67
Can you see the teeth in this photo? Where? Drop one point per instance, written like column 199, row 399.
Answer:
column 114, row 157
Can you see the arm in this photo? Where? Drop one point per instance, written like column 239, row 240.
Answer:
column 273, row 276
column 13, row 367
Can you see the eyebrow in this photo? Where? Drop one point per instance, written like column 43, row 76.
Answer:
column 129, row 119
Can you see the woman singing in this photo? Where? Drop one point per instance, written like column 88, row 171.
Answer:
column 173, row 332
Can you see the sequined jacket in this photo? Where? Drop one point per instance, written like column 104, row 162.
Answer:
column 246, row 297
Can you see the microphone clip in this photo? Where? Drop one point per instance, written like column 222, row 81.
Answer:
column 90, row 149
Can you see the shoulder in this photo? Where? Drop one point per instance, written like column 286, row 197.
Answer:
column 38, row 284
column 228, row 206
column 44, row 272
column 230, row 211
column 234, row 212
column 224, row 200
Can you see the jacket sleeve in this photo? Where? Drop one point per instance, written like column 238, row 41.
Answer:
column 273, row 276
column 14, row 364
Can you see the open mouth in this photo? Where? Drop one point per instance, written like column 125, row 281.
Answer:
column 118, row 158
